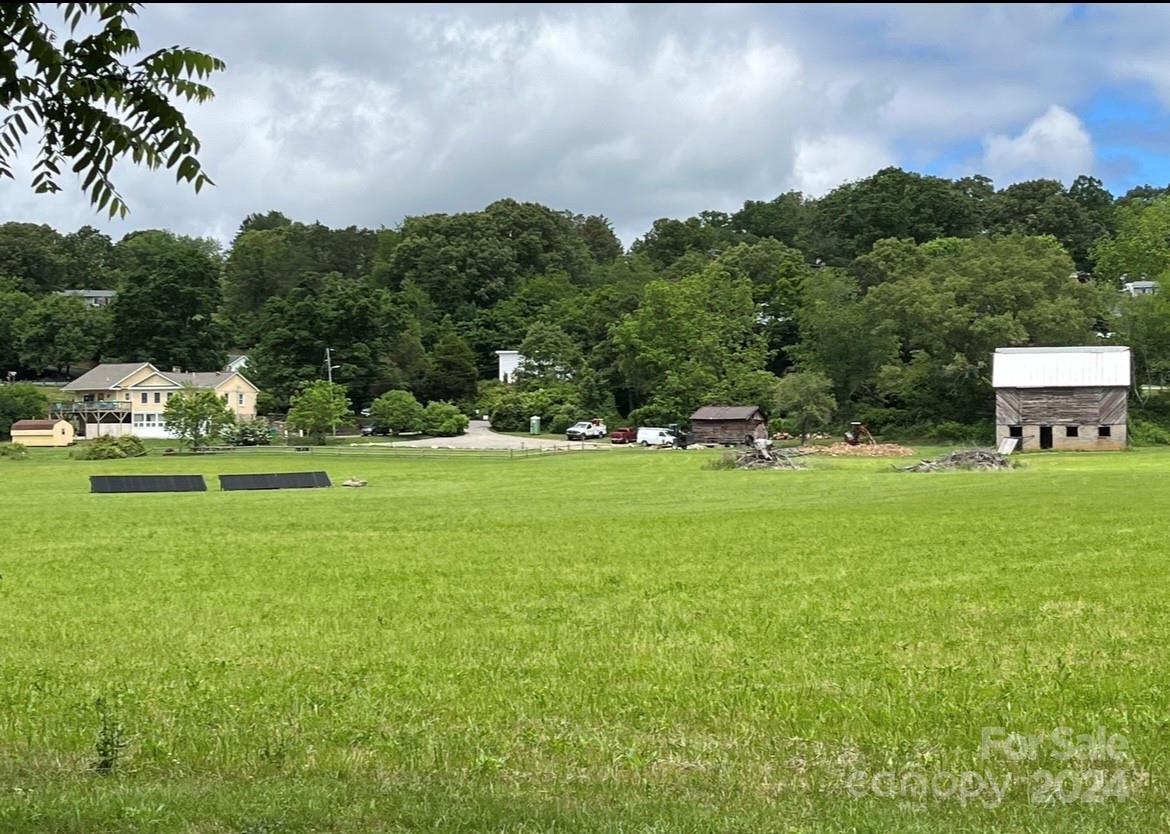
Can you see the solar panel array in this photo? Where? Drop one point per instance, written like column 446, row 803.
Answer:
column 147, row 483
column 275, row 480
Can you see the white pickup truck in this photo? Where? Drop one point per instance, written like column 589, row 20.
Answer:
column 586, row 429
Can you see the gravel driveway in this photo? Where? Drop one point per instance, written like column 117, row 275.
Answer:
column 480, row 436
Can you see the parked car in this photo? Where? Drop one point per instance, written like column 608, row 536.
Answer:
column 624, row 435
column 370, row 431
column 586, row 429
column 655, row 437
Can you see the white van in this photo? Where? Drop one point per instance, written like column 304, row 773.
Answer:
column 655, row 437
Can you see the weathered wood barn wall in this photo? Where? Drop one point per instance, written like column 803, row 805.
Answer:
column 724, row 424
column 1062, row 398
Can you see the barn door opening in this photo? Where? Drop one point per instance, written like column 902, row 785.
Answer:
column 1046, row 437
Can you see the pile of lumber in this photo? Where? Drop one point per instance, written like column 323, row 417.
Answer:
column 864, row 450
column 760, row 458
column 969, row 459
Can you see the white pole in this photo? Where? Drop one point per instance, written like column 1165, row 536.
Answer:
column 329, row 371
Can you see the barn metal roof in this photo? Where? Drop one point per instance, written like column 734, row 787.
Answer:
column 725, row 412
column 1061, row 367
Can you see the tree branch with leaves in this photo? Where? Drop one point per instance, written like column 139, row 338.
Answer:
column 91, row 105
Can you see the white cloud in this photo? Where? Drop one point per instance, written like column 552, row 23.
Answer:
column 1055, row 145
column 824, row 162
column 362, row 114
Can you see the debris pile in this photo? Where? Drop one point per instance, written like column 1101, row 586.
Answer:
column 353, row 482
column 968, row 459
column 760, row 458
column 864, row 450
column 783, row 435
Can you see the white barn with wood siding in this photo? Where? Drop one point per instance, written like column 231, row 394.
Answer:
column 1062, row 398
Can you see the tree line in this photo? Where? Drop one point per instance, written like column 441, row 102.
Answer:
column 890, row 292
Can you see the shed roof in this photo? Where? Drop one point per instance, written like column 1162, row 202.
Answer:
column 1061, row 367
column 34, row 425
column 726, row 412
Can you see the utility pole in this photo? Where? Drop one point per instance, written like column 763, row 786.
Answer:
column 329, row 366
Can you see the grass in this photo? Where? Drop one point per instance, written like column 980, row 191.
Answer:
column 620, row 643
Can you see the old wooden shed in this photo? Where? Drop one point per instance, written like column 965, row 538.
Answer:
column 1062, row 398
column 728, row 424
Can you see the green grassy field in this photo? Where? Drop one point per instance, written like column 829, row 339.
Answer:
column 620, row 642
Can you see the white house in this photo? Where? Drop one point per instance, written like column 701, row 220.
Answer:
column 236, row 363
column 1136, row 288
column 94, row 298
column 509, row 362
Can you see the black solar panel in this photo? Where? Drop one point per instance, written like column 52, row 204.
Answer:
column 147, row 483
column 275, row 480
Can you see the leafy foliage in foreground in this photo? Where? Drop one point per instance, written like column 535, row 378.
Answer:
column 91, row 106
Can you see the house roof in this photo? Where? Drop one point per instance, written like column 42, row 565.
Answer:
column 104, row 376
column 726, row 412
column 1061, row 367
column 90, row 293
column 34, row 425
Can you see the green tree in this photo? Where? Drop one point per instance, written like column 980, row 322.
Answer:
column 36, row 255
column 1044, row 207
column 398, row 412
column 693, row 343
column 847, row 221
column 1143, row 323
column 165, row 311
column 806, row 398
column 357, row 322
column 451, row 372
column 91, row 106
column 318, row 408
column 550, row 355
column 442, row 419
column 599, row 237
column 1140, row 249
column 60, row 331
column 195, row 415
column 21, row 402
column 784, row 219
column 842, row 338
column 963, row 299
column 14, row 304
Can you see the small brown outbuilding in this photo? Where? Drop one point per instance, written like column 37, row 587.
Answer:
column 728, row 424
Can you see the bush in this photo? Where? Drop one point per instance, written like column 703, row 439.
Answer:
column 509, row 413
column 1147, row 433
column 14, row 451
column 441, row 419
column 247, row 433
column 950, row 431
column 397, row 411
column 561, row 421
column 21, row 401
column 108, row 447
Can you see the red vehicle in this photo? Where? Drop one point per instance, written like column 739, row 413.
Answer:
column 626, row 435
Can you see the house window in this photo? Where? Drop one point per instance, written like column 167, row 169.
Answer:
column 127, row 397
column 241, row 400
column 145, row 397
column 157, row 397
column 1072, row 431
column 1015, row 431
column 139, row 419
column 1104, row 431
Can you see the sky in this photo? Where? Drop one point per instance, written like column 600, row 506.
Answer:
column 365, row 114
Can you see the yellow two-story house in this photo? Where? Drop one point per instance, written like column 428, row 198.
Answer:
column 130, row 398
